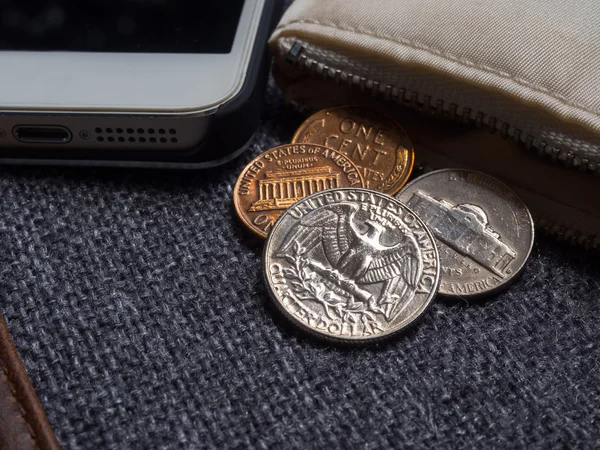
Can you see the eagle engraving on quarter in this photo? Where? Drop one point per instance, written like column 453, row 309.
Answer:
column 351, row 264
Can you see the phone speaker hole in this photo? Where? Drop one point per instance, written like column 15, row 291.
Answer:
column 136, row 135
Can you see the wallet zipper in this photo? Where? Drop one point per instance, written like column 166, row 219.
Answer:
column 297, row 57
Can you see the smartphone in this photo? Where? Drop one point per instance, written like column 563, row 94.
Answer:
column 160, row 83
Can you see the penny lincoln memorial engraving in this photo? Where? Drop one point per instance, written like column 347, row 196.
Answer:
column 280, row 190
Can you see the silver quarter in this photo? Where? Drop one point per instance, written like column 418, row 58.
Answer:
column 351, row 264
column 484, row 232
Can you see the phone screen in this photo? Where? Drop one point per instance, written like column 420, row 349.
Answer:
column 140, row 26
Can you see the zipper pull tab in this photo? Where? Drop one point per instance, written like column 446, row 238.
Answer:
column 294, row 53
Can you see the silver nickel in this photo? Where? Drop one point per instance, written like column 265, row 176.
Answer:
column 484, row 231
column 351, row 264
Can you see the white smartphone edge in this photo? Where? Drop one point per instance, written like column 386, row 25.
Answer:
column 168, row 110
column 127, row 83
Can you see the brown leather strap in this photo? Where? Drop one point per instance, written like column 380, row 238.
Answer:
column 23, row 424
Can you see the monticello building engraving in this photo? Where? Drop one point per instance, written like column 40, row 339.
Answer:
column 464, row 228
column 280, row 190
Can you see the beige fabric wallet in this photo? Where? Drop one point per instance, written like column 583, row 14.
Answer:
column 526, row 71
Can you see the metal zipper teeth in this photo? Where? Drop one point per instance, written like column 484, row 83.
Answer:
column 306, row 64
column 550, row 227
column 567, row 234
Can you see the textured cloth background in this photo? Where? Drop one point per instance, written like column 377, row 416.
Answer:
column 137, row 304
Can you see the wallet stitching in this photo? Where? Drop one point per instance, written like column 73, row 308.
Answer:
column 14, row 399
column 455, row 59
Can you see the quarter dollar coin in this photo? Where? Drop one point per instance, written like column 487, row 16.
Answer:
column 483, row 230
column 351, row 264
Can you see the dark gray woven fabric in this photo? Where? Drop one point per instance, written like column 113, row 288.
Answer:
column 137, row 304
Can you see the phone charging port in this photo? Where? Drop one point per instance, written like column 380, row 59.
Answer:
column 42, row 134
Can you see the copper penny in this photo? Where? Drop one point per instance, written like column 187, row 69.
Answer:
column 373, row 140
column 279, row 177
